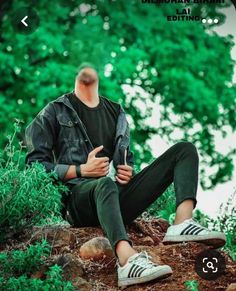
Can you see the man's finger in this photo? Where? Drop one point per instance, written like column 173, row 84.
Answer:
column 125, row 167
column 95, row 151
column 102, row 159
column 121, row 181
column 104, row 164
column 123, row 177
column 123, row 172
column 104, row 169
column 101, row 163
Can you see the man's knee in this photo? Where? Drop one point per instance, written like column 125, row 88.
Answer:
column 105, row 187
column 107, row 182
column 187, row 146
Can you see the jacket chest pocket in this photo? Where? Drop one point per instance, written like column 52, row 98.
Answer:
column 68, row 129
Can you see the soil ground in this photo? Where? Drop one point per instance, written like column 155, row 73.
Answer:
column 146, row 235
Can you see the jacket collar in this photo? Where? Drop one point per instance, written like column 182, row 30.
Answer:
column 64, row 99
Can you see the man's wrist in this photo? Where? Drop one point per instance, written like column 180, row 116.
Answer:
column 81, row 170
column 78, row 171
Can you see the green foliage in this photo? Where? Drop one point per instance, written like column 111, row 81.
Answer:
column 201, row 217
column 226, row 222
column 26, row 195
column 18, row 262
column 17, row 266
column 52, row 282
column 134, row 48
column 191, row 285
column 165, row 205
column 52, row 220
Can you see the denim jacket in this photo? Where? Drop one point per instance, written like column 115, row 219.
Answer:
column 57, row 138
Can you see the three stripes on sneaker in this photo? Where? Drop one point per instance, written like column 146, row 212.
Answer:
column 135, row 271
column 191, row 229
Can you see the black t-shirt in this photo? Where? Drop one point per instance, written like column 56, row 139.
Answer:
column 100, row 122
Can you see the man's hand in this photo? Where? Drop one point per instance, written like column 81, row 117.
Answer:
column 124, row 174
column 95, row 167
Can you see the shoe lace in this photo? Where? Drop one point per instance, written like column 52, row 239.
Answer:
column 145, row 260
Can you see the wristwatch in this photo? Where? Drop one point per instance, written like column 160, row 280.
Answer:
column 78, row 172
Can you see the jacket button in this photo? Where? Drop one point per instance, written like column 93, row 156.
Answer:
column 70, row 122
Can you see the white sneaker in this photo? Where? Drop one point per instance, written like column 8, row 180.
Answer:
column 190, row 230
column 140, row 269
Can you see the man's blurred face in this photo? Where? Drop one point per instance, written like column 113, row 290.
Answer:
column 87, row 76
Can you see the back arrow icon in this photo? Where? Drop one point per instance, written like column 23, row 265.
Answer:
column 23, row 21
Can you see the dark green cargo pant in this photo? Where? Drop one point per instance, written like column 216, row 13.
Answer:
column 101, row 201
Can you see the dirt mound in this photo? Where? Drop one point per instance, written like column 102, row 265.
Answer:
column 100, row 274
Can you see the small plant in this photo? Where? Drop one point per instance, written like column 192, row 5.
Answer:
column 27, row 195
column 165, row 205
column 201, row 217
column 226, row 222
column 52, row 282
column 18, row 262
column 191, row 285
column 17, row 266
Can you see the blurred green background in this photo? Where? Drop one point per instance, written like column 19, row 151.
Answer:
column 143, row 60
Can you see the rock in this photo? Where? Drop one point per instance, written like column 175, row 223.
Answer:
column 57, row 237
column 96, row 248
column 231, row 287
column 71, row 266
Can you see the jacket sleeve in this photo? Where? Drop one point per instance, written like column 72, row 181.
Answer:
column 130, row 157
column 40, row 138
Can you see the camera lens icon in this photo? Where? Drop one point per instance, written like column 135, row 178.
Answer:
column 210, row 265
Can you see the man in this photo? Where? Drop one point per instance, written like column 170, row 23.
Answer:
column 77, row 136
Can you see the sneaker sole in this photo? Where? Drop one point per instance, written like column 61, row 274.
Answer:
column 163, row 273
column 210, row 240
